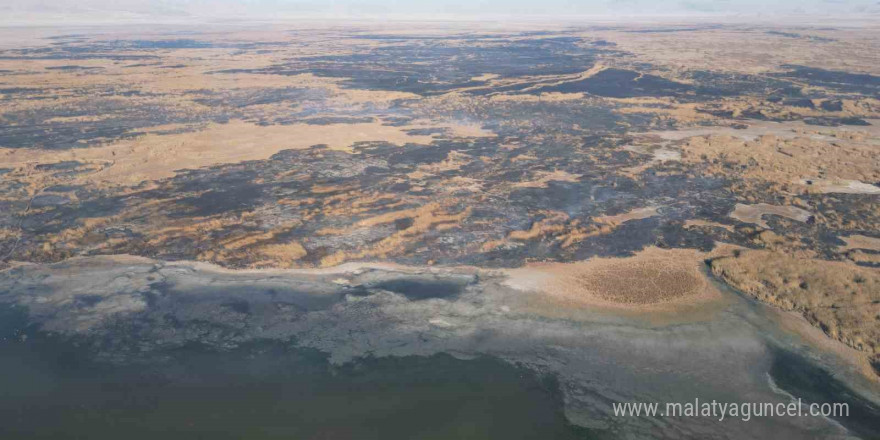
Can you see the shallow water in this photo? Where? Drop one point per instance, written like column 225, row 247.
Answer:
column 812, row 383
column 53, row 388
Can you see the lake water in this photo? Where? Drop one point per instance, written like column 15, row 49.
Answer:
column 55, row 389
column 272, row 355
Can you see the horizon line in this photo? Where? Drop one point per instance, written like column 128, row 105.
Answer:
column 54, row 20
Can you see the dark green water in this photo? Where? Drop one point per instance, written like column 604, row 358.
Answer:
column 52, row 388
column 797, row 376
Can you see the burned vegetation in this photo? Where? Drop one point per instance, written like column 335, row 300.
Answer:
column 294, row 149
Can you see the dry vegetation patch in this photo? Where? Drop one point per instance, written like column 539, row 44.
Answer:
column 644, row 281
column 860, row 242
column 841, row 298
column 153, row 156
column 799, row 162
column 652, row 277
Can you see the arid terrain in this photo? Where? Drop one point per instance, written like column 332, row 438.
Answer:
column 599, row 168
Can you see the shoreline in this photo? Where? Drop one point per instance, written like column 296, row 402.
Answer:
column 531, row 287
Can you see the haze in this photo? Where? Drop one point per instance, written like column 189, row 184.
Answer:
column 84, row 11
